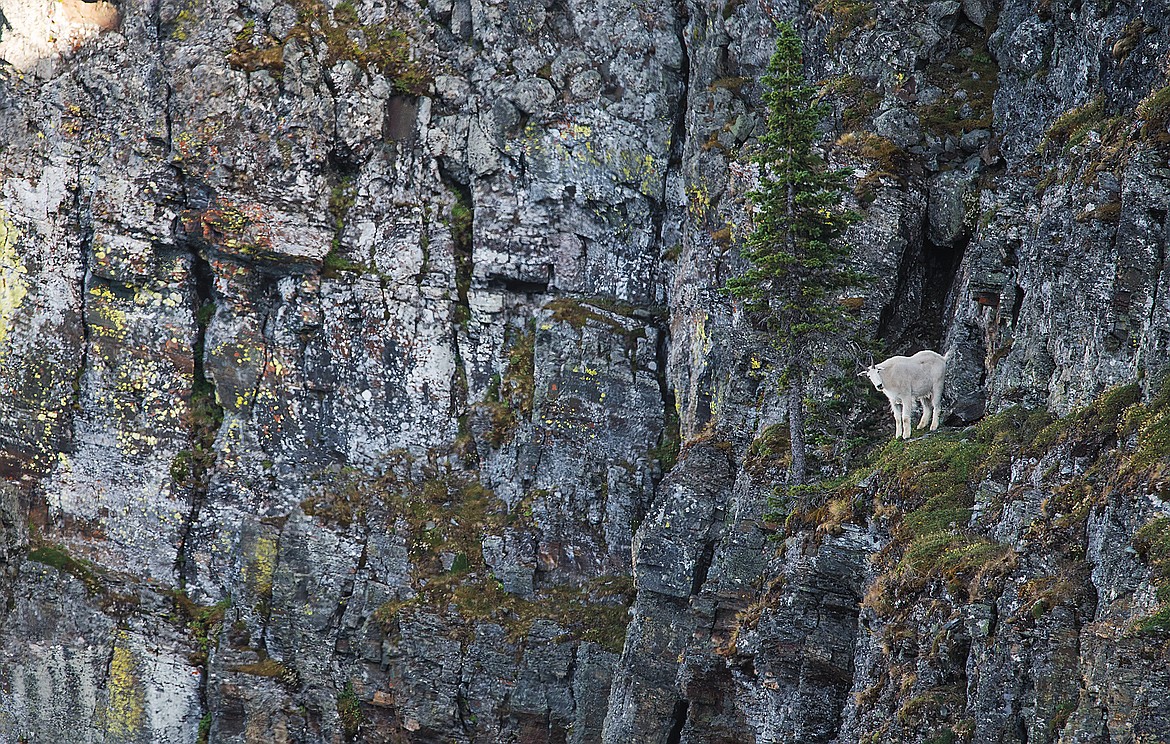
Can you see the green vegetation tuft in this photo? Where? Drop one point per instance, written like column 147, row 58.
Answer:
column 374, row 45
column 856, row 96
column 1151, row 424
column 462, row 220
column 769, row 450
column 1060, row 716
column 849, row 16
column 268, row 667
column 349, row 710
column 976, row 75
column 1102, row 420
column 1152, row 543
column 204, row 734
column 341, row 199
column 1074, row 125
column 670, row 441
column 252, row 52
column 342, row 499
column 334, row 264
column 925, row 708
column 1154, row 109
column 191, row 468
column 509, row 399
column 204, row 622
column 462, row 225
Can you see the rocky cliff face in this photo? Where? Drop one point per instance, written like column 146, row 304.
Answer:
column 367, row 376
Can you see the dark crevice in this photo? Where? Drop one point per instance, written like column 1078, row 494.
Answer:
column 666, row 451
column 1017, row 306
column 939, row 300
column 342, row 162
column 678, row 719
column 518, row 286
column 1159, row 216
column 924, row 300
column 703, row 567
column 346, row 594
column 889, row 321
column 192, row 193
column 462, row 227
column 85, row 229
column 678, row 130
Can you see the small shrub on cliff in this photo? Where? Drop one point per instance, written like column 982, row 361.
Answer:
column 509, row 399
column 1152, row 543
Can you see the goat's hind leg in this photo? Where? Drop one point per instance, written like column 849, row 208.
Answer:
column 926, row 408
column 936, row 400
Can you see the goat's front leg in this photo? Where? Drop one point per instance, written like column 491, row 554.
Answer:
column 907, row 417
column 897, row 418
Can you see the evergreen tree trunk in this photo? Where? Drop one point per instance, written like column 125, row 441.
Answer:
column 796, row 473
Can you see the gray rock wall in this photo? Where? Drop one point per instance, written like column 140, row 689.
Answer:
column 367, row 375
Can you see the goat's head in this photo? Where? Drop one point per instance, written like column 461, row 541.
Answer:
column 874, row 374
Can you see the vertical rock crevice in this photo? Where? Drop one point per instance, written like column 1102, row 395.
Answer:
column 462, row 228
column 678, row 719
column 191, row 468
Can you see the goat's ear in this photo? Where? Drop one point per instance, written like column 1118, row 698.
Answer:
column 863, row 373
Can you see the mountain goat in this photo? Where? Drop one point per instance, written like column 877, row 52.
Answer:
column 905, row 380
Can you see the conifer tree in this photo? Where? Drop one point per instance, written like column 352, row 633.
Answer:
column 796, row 253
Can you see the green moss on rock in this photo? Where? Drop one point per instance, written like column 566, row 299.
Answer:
column 509, row 399
column 59, row 558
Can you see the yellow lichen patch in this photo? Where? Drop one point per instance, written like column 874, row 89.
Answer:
column 241, row 354
column 125, row 706
column 260, row 571
column 12, row 275
column 109, row 320
column 641, row 168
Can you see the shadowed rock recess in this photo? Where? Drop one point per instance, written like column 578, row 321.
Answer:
column 366, row 376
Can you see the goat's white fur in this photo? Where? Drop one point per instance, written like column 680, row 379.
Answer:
column 905, row 380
